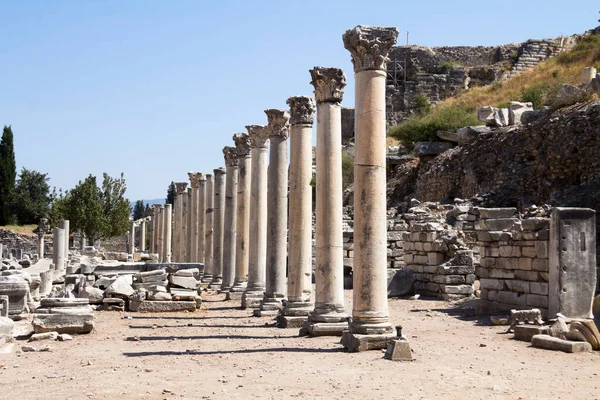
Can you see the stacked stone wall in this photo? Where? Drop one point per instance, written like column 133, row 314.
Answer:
column 513, row 269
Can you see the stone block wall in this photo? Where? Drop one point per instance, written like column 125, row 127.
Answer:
column 513, row 270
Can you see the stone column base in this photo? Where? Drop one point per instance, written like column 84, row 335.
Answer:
column 356, row 342
column 252, row 299
column 206, row 279
column 289, row 321
column 269, row 307
column 216, row 283
column 312, row 328
column 234, row 296
column 224, row 289
column 294, row 314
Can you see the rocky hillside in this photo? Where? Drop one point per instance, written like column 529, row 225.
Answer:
column 553, row 160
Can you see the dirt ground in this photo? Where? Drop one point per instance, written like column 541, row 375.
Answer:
column 222, row 352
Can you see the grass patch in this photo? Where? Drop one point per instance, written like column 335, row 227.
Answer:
column 423, row 128
column 21, row 229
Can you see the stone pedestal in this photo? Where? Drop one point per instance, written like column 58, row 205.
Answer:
column 195, row 178
column 299, row 288
column 167, row 232
column 58, row 249
column 242, row 143
column 277, row 182
column 257, row 249
column 229, row 232
column 219, row 225
column 370, row 327
column 329, row 318
column 208, row 231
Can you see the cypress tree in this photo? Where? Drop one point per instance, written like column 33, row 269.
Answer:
column 171, row 194
column 8, row 175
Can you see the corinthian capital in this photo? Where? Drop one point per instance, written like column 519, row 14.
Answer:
column 370, row 46
column 195, row 178
column 302, row 110
column 242, row 144
column 329, row 84
column 259, row 137
column 181, row 187
column 279, row 122
column 230, row 154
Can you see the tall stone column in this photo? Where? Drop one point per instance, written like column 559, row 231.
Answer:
column 208, row 231
column 229, row 232
column 64, row 224
column 160, row 233
column 143, row 235
column 201, row 217
column 152, row 231
column 188, row 235
column 58, row 249
column 257, row 247
column 167, row 225
column 370, row 327
column 40, row 246
column 329, row 318
column 277, row 206
column 219, row 225
column 193, row 234
column 155, row 227
column 242, row 144
column 299, row 288
column 132, row 238
column 178, row 249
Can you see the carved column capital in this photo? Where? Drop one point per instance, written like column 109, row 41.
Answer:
column 259, row 137
column 195, row 178
column 242, row 144
column 370, row 46
column 181, row 187
column 230, row 153
column 329, row 84
column 219, row 171
column 157, row 207
column 279, row 122
column 302, row 110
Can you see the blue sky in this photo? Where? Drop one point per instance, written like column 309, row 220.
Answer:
column 156, row 88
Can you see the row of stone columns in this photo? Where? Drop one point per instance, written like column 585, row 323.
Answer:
column 246, row 209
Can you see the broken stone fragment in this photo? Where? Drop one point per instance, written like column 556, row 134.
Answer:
column 120, row 287
column 430, row 148
column 492, row 116
column 94, row 295
column 185, row 282
column 516, row 110
column 43, row 336
column 569, row 95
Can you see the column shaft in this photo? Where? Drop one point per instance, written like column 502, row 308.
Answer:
column 132, row 238
column 229, row 234
column 160, row 234
column 58, row 249
column 201, row 221
column 208, row 228
column 219, row 225
column 167, row 232
column 243, row 225
column 194, row 225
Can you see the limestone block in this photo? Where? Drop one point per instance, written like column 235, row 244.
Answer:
column 538, row 288
column 552, row 343
column 185, row 282
column 516, row 110
column 529, row 252
column 497, row 213
column 540, row 264
column 166, row 306
column 398, row 350
column 434, row 258
column 499, row 236
column 394, row 236
column 569, row 95
column 430, row 148
column 587, row 74
column 432, row 287
column 104, row 282
column 527, row 275
column 486, row 114
column 491, row 284
column 121, row 287
column 517, row 286
column 94, row 295
column 497, row 273
column 526, row 332
column 507, row 263
column 63, row 323
column 17, row 289
column 500, row 224
column 535, row 224
column 457, row 289
column 536, row 300
column 512, row 298
column 402, row 283
column 541, row 249
column 7, row 327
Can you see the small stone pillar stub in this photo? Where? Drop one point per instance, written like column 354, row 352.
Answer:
column 299, row 288
column 218, row 228
column 257, row 249
column 276, row 291
column 329, row 317
column 572, row 262
column 370, row 328
column 230, row 217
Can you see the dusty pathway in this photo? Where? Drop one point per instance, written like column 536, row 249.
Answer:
column 221, row 352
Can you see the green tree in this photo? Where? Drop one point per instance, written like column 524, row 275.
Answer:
column 147, row 211
column 58, row 207
column 32, row 196
column 347, row 169
column 139, row 210
column 99, row 212
column 171, row 194
column 8, row 175
column 420, row 104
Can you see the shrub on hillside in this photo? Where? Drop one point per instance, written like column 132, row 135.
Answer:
column 587, row 48
column 420, row 104
column 423, row 128
column 541, row 95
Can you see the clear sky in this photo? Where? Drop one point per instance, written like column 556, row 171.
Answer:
column 156, row 88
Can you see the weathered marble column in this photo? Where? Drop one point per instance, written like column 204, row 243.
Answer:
column 58, row 249
column 195, row 178
column 132, row 238
column 299, row 288
column 188, row 225
column 242, row 144
column 168, row 232
column 219, row 225
column 370, row 327
column 201, row 217
column 277, row 207
column 143, row 235
column 156, row 227
column 257, row 247
column 65, row 224
column 329, row 318
column 178, row 249
column 40, row 245
column 208, row 231
column 160, row 233
column 229, row 232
